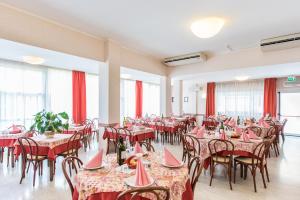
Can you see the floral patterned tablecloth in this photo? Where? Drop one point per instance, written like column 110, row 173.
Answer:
column 111, row 179
column 239, row 145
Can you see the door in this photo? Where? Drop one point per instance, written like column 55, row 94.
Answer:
column 289, row 108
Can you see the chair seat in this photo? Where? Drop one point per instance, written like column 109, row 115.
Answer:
column 33, row 157
column 68, row 152
column 221, row 159
column 248, row 160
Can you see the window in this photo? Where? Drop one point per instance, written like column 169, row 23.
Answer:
column 26, row 90
column 244, row 99
column 92, row 95
column 60, row 91
column 127, row 98
column 151, row 99
column 22, row 93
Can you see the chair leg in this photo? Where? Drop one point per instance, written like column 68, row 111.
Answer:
column 34, row 173
column 229, row 176
column 263, row 176
column 267, row 173
column 283, row 138
column 242, row 170
column 211, row 172
column 234, row 171
column 107, row 146
column 254, row 179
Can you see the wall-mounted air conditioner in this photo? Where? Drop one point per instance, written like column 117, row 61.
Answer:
column 185, row 59
column 281, row 42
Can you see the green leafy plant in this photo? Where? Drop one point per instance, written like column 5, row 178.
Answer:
column 49, row 121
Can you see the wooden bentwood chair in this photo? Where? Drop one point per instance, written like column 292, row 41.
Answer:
column 31, row 155
column 221, row 153
column 71, row 163
column 257, row 160
column 160, row 193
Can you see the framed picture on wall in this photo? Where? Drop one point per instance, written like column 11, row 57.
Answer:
column 185, row 99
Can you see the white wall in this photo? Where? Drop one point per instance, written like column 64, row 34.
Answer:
column 188, row 91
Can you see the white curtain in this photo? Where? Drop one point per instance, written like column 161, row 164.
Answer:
column 127, row 98
column 92, row 95
column 59, row 91
column 244, row 99
column 22, row 93
column 151, row 99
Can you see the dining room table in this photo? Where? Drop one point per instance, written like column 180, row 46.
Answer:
column 7, row 140
column 50, row 147
column 138, row 133
column 109, row 181
column 241, row 148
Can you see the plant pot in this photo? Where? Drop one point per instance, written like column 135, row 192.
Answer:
column 49, row 134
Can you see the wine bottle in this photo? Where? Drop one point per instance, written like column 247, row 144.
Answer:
column 221, row 127
column 121, row 151
column 238, row 120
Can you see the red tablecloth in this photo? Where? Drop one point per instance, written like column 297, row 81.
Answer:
column 187, row 195
column 46, row 151
column 170, row 129
column 134, row 138
column 7, row 142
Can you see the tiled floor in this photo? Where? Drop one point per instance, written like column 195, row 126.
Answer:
column 284, row 185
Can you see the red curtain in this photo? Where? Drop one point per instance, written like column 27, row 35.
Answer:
column 270, row 97
column 210, row 99
column 138, row 99
column 79, row 96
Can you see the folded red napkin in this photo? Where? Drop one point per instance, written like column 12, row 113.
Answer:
column 96, row 161
column 252, row 135
column 265, row 124
column 138, row 148
column 195, row 130
column 15, row 130
column 201, row 132
column 141, row 176
column 170, row 158
column 223, row 135
column 245, row 137
column 238, row 130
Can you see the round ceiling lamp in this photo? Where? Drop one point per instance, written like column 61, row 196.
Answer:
column 207, row 27
column 34, row 60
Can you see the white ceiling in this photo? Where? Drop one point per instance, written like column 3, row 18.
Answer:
column 268, row 71
column 15, row 51
column 161, row 27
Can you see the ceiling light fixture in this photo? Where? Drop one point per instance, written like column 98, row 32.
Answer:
column 207, row 27
column 34, row 60
column 242, row 78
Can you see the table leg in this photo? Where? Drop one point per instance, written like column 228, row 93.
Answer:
column 51, row 163
column 12, row 157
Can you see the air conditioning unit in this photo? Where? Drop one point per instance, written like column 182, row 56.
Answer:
column 288, row 84
column 281, row 42
column 185, row 59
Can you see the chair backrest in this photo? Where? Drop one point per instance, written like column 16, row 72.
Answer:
column 74, row 143
column 87, row 128
column 147, row 145
column 283, row 125
column 271, row 131
column 269, row 141
column 192, row 145
column 95, row 122
column 69, row 163
column 218, row 147
column 29, row 147
column 126, row 134
column 228, row 127
column 257, row 130
column 158, row 193
column 259, row 153
column 195, row 169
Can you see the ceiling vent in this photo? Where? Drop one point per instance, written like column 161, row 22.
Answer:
column 281, row 42
column 185, row 59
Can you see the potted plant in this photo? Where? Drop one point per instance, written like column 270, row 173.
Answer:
column 49, row 123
